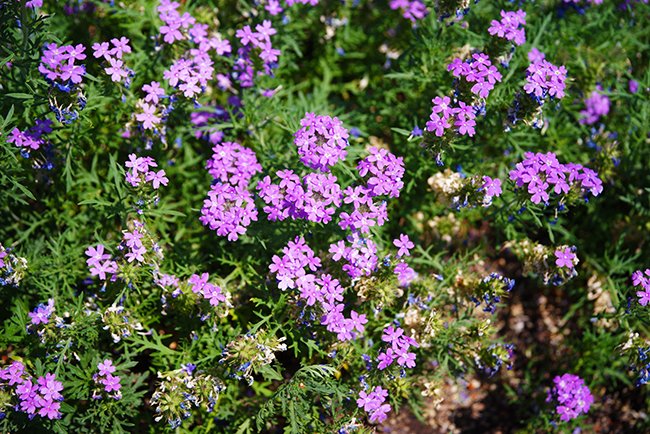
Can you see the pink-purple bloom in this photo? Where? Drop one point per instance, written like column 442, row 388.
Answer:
column 543, row 79
column 571, row 396
column 321, row 141
column 510, row 27
column 596, row 106
column 565, row 258
column 542, row 175
column 373, row 404
column 642, row 279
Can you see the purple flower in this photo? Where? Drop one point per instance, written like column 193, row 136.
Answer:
column 412, row 10
column 232, row 163
column 228, row 210
column 404, row 244
column 373, row 404
column 596, row 105
column 385, row 170
column 539, row 172
column 492, row 188
column 564, row 258
column 642, row 279
column 42, row 313
column 571, row 396
column 106, row 367
column 543, row 78
column 511, row 26
column 321, row 141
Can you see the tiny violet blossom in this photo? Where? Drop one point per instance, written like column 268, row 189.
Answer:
column 404, row 244
column 565, row 258
column 105, row 379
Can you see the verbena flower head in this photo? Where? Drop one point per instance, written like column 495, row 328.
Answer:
column 108, row 384
column 180, row 391
column 373, row 404
column 42, row 313
column 543, row 79
column 321, row 141
column 315, row 197
column 510, row 27
column 228, row 210
column 140, row 172
column 543, row 177
column 31, row 139
column 35, row 396
column 12, row 267
column 596, row 106
column 384, row 172
column 571, row 396
column 58, row 64
column 555, row 265
column 233, row 164
column 478, row 71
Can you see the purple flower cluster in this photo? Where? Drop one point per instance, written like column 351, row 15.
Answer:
column 321, row 141
column 543, row 78
column 42, row 313
column 39, row 396
column 139, row 172
column 596, row 105
column 542, row 174
column 565, row 258
column 384, row 172
column 58, row 65
column 492, row 189
column 232, row 163
column 360, row 255
column 373, row 404
column 315, row 198
column 228, row 210
column 211, row 292
column 34, row 4
column 31, row 139
column 642, row 279
column 259, row 41
column 100, row 263
column 510, row 27
column 191, row 72
column 398, row 350
column 571, row 396
column 443, row 116
column 478, row 70
column 411, row 9
column 134, row 246
column 116, row 69
column 104, row 378
column 295, row 270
